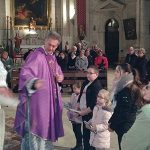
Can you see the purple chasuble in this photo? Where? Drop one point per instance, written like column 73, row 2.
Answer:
column 45, row 103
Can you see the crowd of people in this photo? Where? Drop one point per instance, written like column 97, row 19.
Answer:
column 94, row 112
column 79, row 58
column 137, row 59
column 128, row 96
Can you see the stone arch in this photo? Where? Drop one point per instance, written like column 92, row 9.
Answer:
column 112, row 22
column 112, row 40
column 106, row 15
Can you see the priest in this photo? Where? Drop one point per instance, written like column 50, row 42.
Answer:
column 39, row 114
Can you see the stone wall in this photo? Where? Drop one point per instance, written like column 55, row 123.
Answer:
column 100, row 11
column 2, row 21
column 145, row 27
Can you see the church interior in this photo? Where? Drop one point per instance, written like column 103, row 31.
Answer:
column 114, row 25
column 111, row 26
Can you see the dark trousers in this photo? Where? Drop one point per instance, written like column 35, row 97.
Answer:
column 92, row 148
column 86, row 138
column 120, row 135
column 78, row 133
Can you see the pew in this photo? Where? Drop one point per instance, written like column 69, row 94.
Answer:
column 70, row 77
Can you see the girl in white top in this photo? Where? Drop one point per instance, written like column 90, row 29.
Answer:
column 6, row 99
column 72, row 116
column 75, row 119
column 100, row 136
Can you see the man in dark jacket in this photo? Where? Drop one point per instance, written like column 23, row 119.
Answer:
column 131, row 57
column 148, row 70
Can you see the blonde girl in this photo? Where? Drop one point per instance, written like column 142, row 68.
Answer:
column 100, row 136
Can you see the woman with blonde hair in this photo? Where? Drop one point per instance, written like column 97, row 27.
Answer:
column 100, row 136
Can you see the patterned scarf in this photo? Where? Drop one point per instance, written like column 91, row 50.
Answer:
column 124, row 81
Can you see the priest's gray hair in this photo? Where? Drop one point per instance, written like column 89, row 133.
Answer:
column 53, row 35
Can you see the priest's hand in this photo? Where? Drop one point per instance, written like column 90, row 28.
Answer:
column 38, row 84
column 59, row 78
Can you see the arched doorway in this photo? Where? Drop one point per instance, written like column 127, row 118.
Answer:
column 112, row 41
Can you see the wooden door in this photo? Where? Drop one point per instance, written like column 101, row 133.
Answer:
column 112, row 42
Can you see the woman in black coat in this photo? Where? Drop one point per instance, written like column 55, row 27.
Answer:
column 148, row 70
column 127, row 96
column 87, row 100
column 141, row 64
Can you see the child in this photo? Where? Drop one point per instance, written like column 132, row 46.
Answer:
column 74, row 117
column 100, row 136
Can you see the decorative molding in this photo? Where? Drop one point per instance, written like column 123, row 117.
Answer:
column 109, row 5
column 26, row 27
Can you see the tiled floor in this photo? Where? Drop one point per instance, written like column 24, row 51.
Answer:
column 67, row 141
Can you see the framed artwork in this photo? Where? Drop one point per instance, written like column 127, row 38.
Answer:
column 28, row 10
column 149, row 27
column 130, row 29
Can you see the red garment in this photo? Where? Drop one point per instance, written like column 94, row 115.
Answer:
column 101, row 59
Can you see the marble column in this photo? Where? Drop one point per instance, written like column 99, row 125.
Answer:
column 2, row 22
column 72, row 22
column 64, row 20
column 145, row 32
column 52, row 16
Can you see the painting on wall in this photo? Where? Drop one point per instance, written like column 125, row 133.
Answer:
column 130, row 28
column 26, row 10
